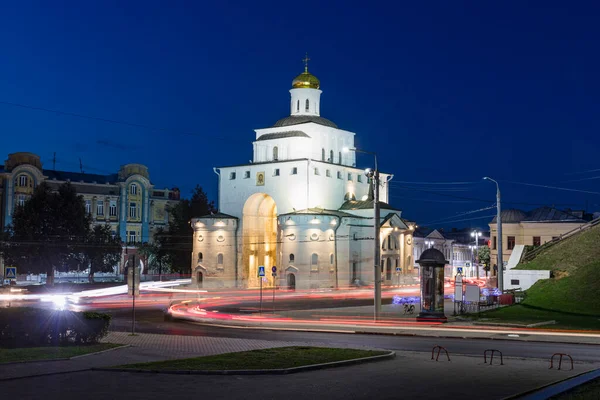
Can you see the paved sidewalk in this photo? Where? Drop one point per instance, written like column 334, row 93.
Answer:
column 145, row 347
column 410, row 375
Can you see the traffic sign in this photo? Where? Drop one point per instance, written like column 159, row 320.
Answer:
column 274, row 269
column 10, row 273
column 459, row 270
column 261, row 270
column 467, row 264
column 398, row 269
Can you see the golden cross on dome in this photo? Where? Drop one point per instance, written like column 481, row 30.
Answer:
column 306, row 60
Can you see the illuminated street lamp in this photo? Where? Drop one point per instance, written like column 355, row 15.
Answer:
column 499, row 233
column 377, row 273
column 429, row 243
column 476, row 235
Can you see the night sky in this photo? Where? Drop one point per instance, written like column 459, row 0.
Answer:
column 444, row 92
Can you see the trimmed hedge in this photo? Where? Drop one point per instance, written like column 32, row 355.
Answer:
column 34, row 327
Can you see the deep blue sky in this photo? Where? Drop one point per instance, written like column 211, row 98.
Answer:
column 442, row 91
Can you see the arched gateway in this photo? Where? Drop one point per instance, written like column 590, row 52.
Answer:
column 259, row 238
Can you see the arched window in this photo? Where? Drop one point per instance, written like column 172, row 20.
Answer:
column 275, row 153
column 340, row 157
column 298, row 106
column 331, row 259
column 292, row 257
column 220, row 259
column 390, row 242
column 200, row 257
column 322, row 154
column 314, row 259
column 330, row 156
column 133, row 189
column 307, row 107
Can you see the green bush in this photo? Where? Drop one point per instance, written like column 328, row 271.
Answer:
column 32, row 327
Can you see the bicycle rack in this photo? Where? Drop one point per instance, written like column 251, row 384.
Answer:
column 560, row 360
column 439, row 349
column 492, row 356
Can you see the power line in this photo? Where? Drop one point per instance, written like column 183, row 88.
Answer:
column 107, row 120
column 439, row 183
column 551, row 187
column 461, row 214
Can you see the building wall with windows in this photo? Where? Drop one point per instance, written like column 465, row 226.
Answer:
column 533, row 228
column 126, row 200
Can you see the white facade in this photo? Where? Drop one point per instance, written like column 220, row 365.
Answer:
column 300, row 205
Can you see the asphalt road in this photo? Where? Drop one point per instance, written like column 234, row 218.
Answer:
column 152, row 321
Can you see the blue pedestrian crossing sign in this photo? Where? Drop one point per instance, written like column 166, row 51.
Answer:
column 261, row 270
column 459, row 270
column 10, row 273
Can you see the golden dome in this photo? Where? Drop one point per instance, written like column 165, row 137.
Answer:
column 306, row 80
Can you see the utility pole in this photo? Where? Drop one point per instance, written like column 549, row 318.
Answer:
column 500, row 271
column 377, row 246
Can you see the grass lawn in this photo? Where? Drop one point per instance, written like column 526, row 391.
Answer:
column 589, row 391
column 49, row 353
column 522, row 314
column 278, row 358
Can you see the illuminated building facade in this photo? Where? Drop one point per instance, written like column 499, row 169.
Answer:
column 126, row 200
column 301, row 205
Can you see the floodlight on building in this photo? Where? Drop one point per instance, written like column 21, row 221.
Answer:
column 315, row 221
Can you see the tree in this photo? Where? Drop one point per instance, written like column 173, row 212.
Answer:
column 484, row 258
column 101, row 251
column 178, row 239
column 46, row 231
column 156, row 253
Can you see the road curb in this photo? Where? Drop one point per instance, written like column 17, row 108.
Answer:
column 538, row 393
column 282, row 371
column 45, row 374
column 64, row 358
column 272, row 328
column 100, row 352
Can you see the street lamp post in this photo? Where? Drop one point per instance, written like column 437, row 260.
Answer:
column 377, row 248
column 472, row 248
column 476, row 235
column 429, row 243
column 499, row 233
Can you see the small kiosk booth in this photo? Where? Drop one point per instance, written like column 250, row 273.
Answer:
column 432, row 264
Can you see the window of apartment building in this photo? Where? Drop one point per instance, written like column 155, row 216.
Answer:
column 21, row 200
column 22, row 181
column 316, row 171
column 88, row 206
column 295, row 171
column 220, row 260
column 200, row 257
column 292, row 257
column 495, row 243
column 349, row 176
column 510, row 242
column 330, row 156
column 132, row 210
column 132, row 237
column 322, row 154
column 112, row 209
column 275, row 153
column 339, row 174
column 339, row 157
column 133, row 189
column 276, row 172
column 359, row 178
column 247, row 175
column 328, row 173
column 232, row 175
column 537, row 241
column 100, row 208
